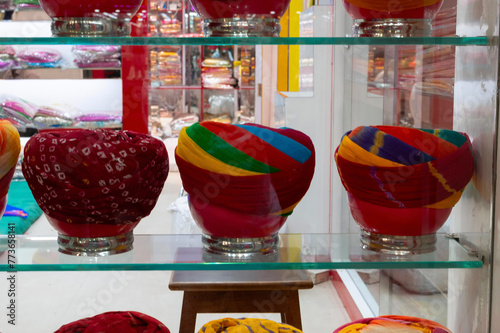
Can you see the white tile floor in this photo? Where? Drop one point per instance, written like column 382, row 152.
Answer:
column 47, row 300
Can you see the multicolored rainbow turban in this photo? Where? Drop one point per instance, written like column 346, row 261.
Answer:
column 246, row 325
column 249, row 168
column 119, row 321
column 392, row 324
column 399, row 167
column 10, row 147
column 95, row 176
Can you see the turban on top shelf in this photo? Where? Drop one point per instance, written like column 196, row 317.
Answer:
column 117, row 321
column 246, row 325
column 392, row 324
column 100, row 177
column 249, row 169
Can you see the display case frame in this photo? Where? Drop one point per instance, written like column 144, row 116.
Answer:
column 476, row 114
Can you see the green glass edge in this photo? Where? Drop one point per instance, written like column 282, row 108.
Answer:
column 244, row 266
column 457, row 41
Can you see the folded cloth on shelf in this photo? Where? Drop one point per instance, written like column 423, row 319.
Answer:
column 96, row 176
column 404, row 324
column 116, row 321
column 17, row 110
column 246, row 325
column 39, row 57
column 256, row 169
column 403, row 167
column 10, row 147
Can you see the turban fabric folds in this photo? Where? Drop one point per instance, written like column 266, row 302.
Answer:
column 393, row 324
column 118, row 321
column 399, row 167
column 95, row 176
column 249, row 168
column 10, row 147
column 246, row 325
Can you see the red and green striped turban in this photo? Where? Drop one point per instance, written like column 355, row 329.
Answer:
column 392, row 324
column 117, row 321
column 399, row 167
column 10, row 147
column 249, row 168
column 246, row 325
column 84, row 176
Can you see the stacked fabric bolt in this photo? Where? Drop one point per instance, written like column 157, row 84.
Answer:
column 247, row 325
column 97, row 56
column 39, row 57
column 392, row 324
column 401, row 167
column 95, row 176
column 7, row 60
column 118, row 321
column 10, row 147
column 265, row 171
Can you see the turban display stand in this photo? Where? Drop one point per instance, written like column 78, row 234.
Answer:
column 243, row 182
column 402, row 183
column 95, row 186
column 382, row 18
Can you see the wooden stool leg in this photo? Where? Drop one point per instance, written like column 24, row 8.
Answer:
column 188, row 315
column 291, row 314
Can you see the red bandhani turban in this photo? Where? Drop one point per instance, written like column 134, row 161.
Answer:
column 399, row 167
column 247, row 325
column 250, row 169
column 392, row 324
column 95, row 176
column 115, row 322
column 10, row 147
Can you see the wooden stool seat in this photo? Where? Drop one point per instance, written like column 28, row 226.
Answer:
column 275, row 291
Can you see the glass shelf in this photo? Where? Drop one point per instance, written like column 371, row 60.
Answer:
column 184, row 252
column 247, row 41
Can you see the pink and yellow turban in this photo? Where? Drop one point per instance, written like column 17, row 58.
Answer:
column 250, row 169
column 246, row 325
column 119, row 321
column 399, row 167
column 392, row 324
column 10, row 147
column 95, row 176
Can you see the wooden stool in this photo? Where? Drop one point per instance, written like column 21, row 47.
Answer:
column 275, row 291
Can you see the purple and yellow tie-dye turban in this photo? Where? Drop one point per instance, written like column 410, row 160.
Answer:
column 401, row 167
column 392, row 324
column 246, row 325
column 258, row 170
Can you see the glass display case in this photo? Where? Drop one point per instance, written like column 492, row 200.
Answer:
column 445, row 81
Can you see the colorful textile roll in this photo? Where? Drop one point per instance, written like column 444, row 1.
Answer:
column 95, row 176
column 384, row 5
column 401, row 167
column 10, row 147
column 117, row 321
column 246, row 325
column 250, row 169
column 392, row 324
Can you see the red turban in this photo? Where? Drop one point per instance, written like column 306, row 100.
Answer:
column 115, row 322
column 95, row 176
